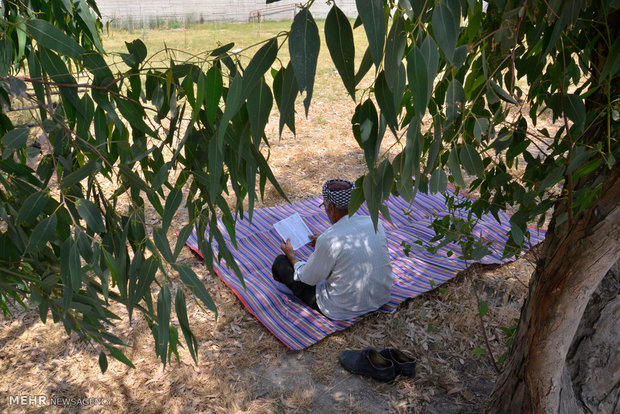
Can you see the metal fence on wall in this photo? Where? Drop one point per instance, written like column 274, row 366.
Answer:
column 178, row 13
column 142, row 14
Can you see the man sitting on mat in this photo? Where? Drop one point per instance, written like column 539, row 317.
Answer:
column 349, row 273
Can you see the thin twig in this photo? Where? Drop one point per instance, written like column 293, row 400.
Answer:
column 484, row 332
column 512, row 53
column 569, row 179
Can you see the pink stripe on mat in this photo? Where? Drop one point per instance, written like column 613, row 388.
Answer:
column 298, row 326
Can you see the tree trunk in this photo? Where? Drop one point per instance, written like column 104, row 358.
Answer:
column 574, row 259
column 593, row 362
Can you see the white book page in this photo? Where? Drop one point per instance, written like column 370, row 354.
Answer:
column 294, row 228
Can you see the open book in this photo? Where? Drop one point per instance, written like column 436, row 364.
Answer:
column 294, row 228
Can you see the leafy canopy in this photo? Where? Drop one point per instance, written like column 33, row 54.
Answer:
column 461, row 84
column 184, row 135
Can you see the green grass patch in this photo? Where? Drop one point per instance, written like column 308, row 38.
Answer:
column 194, row 43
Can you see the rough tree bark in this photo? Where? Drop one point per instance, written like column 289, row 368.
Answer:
column 544, row 373
column 574, row 259
column 593, row 362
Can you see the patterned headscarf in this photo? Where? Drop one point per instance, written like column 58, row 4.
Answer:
column 339, row 198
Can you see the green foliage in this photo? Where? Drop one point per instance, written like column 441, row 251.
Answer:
column 509, row 332
column 483, row 309
column 463, row 89
column 339, row 39
column 373, row 18
column 175, row 137
column 304, row 44
column 487, row 77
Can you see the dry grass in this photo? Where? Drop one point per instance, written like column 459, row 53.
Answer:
column 242, row 367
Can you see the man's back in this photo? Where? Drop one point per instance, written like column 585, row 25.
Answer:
column 350, row 267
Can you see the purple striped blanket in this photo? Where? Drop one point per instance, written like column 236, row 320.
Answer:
column 298, row 326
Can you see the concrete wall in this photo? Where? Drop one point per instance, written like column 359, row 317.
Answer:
column 152, row 12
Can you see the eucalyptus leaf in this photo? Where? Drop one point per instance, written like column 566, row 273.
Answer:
column 234, row 100
column 91, row 215
column 552, row 178
column 103, row 362
column 438, row 182
column 214, row 86
column 260, row 63
column 369, row 132
column 371, row 13
column 453, row 163
column 516, row 233
column 385, row 177
column 579, row 156
column 138, row 51
column 134, row 113
column 191, row 281
column 42, row 233
column 455, row 101
column 6, row 49
column 56, row 67
column 385, row 99
column 81, row 173
column 339, row 39
column 445, row 28
column 173, row 201
column 113, row 266
column 89, row 20
column 394, row 50
column 17, row 87
column 15, row 138
column 372, row 197
column 413, row 150
column 289, row 94
column 32, row 207
column 49, row 36
column 304, row 44
column 501, row 93
column 481, row 128
column 75, row 268
column 400, row 84
column 587, row 168
column 421, row 70
column 146, row 277
column 483, row 308
column 470, row 159
column 163, row 321
column 163, row 245
column 612, row 63
column 357, row 196
column 259, row 105
column 575, row 110
column 180, row 306
column 220, row 51
column 183, row 235
column 435, row 147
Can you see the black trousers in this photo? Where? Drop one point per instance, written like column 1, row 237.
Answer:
column 283, row 272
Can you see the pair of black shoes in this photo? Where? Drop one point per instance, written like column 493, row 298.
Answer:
column 382, row 365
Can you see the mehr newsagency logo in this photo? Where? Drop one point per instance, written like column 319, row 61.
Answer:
column 55, row 400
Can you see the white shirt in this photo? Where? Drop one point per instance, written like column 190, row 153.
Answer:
column 350, row 268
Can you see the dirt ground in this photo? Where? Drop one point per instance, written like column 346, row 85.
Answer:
column 244, row 369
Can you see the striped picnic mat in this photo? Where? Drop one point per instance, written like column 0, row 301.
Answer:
column 298, row 326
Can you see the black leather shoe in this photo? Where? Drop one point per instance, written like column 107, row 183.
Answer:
column 369, row 363
column 403, row 363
